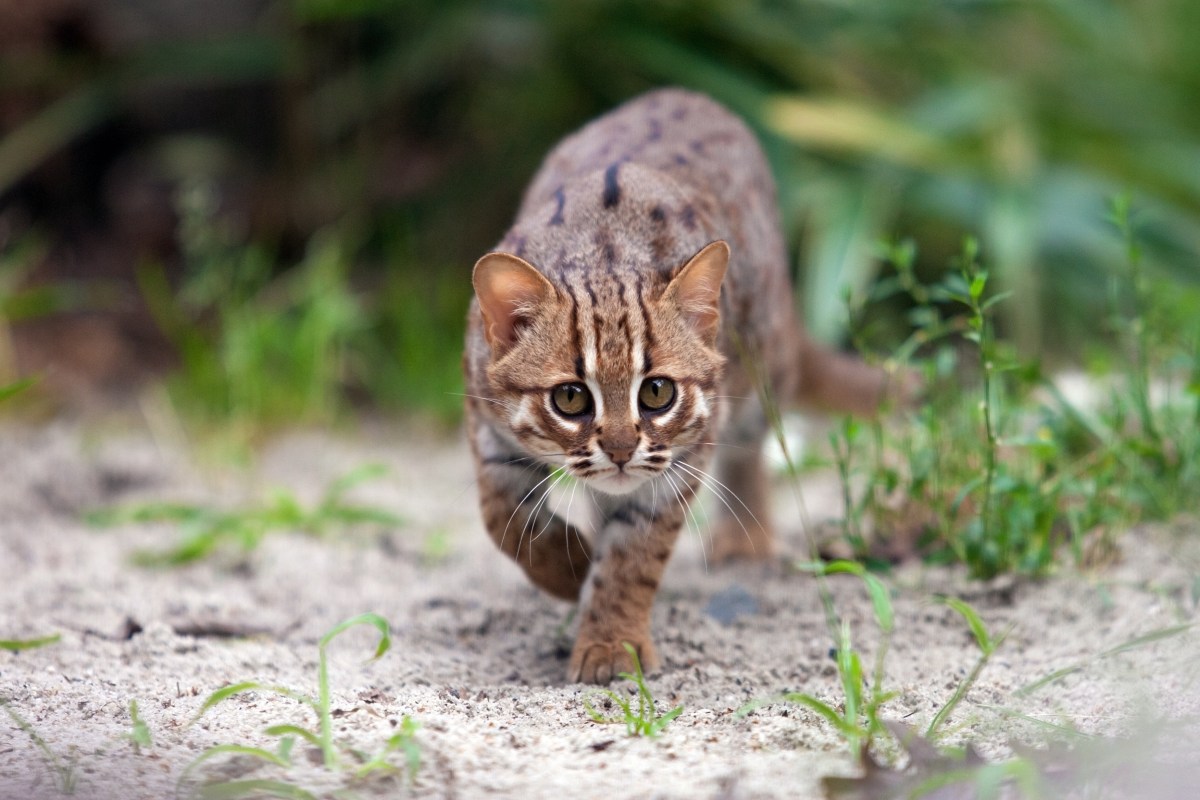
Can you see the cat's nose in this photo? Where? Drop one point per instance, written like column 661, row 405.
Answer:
column 619, row 451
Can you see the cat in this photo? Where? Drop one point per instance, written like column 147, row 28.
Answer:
column 627, row 329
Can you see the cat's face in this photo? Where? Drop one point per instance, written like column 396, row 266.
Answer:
column 604, row 375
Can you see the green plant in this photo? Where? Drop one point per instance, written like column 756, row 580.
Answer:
column 256, row 349
column 1017, row 533
column 998, row 477
column 987, row 646
column 205, row 530
column 64, row 770
column 645, row 721
column 334, row 755
column 1129, row 644
column 139, row 732
column 857, row 720
column 14, row 645
column 13, row 389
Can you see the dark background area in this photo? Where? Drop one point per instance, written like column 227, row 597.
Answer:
column 277, row 204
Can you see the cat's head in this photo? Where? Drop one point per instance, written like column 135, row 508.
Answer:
column 605, row 374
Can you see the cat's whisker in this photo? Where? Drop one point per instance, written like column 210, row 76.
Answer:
column 516, row 508
column 684, row 508
column 712, row 483
column 571, row 526
column 505, row 404
column 690, row 449
column 696, row 510
column 542, row 504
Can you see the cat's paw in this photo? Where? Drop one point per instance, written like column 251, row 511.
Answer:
column 600, row 662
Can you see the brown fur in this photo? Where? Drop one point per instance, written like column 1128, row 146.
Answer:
column 647, row 252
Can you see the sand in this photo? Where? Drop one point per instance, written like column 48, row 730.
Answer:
column 478, row 657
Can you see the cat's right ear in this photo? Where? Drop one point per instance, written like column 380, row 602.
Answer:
column 696, row 288
column 510, row 290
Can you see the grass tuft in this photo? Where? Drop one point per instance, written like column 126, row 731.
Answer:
column 64, row 770
column 336, row 757
column 645, row 720
column 205, row 531
column 999, row 470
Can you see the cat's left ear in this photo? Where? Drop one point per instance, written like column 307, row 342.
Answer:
column 696, row 288
column 510, row 290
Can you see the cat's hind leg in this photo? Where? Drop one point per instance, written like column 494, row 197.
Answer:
column 741, row 529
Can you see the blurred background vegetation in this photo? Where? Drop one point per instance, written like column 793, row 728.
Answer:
column 277, row 203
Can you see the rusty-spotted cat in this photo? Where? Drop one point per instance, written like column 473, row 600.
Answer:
column 610, row 338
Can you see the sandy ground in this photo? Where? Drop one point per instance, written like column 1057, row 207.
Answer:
column 477, row 657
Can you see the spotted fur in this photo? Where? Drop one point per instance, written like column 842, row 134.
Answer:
column 647, row 248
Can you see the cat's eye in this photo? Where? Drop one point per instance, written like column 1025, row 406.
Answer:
column 572, row 399
column 656, row 394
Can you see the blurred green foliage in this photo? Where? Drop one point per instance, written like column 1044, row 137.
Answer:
column 400, row 133
column 1015, row 120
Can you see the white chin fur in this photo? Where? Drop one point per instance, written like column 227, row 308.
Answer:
column 619, row 484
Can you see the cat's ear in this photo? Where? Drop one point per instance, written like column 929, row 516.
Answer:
column 696, row 288
column 510, row 290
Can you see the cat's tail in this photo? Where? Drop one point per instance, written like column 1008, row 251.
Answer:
column 843, row 383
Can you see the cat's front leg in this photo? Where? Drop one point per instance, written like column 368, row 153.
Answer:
column 512, row 486
column 554, row 554
column 632, row 551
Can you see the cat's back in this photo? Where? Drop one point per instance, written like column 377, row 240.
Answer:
column 695, row 144
column 683, row 134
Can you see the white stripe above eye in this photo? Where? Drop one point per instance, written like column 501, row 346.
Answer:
column 635, row 369
column 597, row 400
column 587, row 338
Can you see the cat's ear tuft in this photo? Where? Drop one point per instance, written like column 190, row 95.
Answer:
column 696, row 288
column 510, row 290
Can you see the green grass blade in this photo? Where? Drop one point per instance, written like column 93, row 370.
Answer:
column 239, row 750
column 619, row 701
column 1148, row 638
column 322, row 705
column 959, row 693
column 402, row 740
column 279, row 760
column 148, row 512
column 1049, row 727
column 374, row 620
column 657, row 726
column 230, row 790
column 64, row 772
column 139, row 733
column 881, row 599
column 1129, row 644
column 358, row 515
column 1056, row 675
column 355, row 477
column 14, row 389
column 226, row 692
column 825, row 711
column 755, row 705
column 26, row 147
column 16, row 645
column 978, row 629
column 294, row 730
